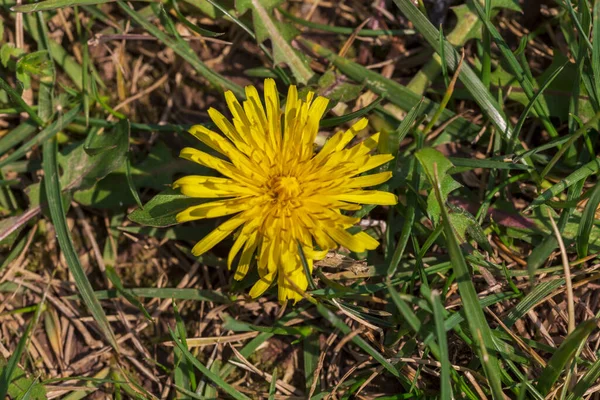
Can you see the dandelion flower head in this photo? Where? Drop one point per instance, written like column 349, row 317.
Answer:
column 279, row 192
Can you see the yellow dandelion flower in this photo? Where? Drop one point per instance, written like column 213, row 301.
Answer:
column 279, row 191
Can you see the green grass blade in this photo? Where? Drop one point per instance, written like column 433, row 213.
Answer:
column 519, row 72
column 20, row 102
column 184, row 51
column 54, row 4
column 166, row 293
column 111, row 274
column 482, row 96
column 535, row 97
column 586, row 382
column 337, row 121
column 581, row 131
column 442, row 340
column 471, row 163
column 359, row 341
column 557, row 364
column 596, row 47
column 7, row 371
column 539, row 292
column 57, row 212
column 49, row 132
column 217, row 380
column 480, row 330
column 282, row 50
column 273, row 385
column 587, row 221
column 582, row 173
column 396, row 93
column 17, row 135
column 311, row 354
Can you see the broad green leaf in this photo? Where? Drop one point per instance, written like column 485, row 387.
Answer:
column 162, row 209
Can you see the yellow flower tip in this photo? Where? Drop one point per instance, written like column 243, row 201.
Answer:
column 278, row 190
column 196, row 129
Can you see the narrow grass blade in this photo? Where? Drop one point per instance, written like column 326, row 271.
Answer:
column 589, row 379
column 359, row 341
column 230, row 390
column 345, row 30
column 482, row 96
column 54, row 4
column 17, row 135
column 183, row 370
column 311, row 354
column 20, row 102
column 282, row 50
column 557, row 364
column 480, row 330
column 336, row 121
column 532, row 103
column 111, row 274
column 472, row 163
column 527, row 303
column 394, row 92
column 596, row 47
column 442, row 340
column 582, row 173
column 517, row 69
column 587, row 221
column 7, row 372
column 273, row 385
column 49, row 132
column 57, row 212
column 9, row 369
column 184, row 51
column 411, row 202
column 167, row 293
column 588, row 125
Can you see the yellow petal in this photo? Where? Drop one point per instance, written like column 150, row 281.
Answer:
column 273, row 112
column 208, row 187
column 357, row 243
column 262, row 284
column 374, row 162
column 225, row 147
column 224, row 125
column 369, row 197
column 213, row 209
column 369, row 180
column 224, row 167
column 246, row 257
column 217, row 235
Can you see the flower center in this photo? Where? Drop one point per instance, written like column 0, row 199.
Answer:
column 284, row 188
